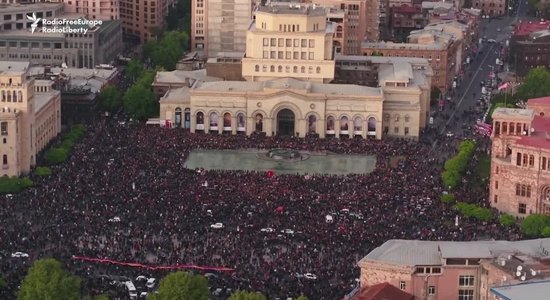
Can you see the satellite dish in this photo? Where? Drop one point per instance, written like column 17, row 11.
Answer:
column 503, row 263
column 520, row 268
column 518, row 273
column 533, row 272
column 522, row 278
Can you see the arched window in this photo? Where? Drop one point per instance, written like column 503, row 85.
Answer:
column 293, row 28
column 177, row 113
column 272, row 69
column 19, row 96
column 257, row 68
column 287, row 69
column 295, row 69
column 344, row 125
column 330, row 125
column 396, row 117
column 357, row 124
column 213, row 121
column 200, row 120
column 9, row 96
column 371, row 124
column 241, row 122
column 312, row 124
column 310, row 70
column 259, row 119
column 227, row 121
column 4, row 159
column 303, row 69
column 280, row 69
column 264, row 68
column 318, row 70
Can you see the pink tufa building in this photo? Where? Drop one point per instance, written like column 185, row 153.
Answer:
column 520, row 161
column 443, row 270
column 94, row 9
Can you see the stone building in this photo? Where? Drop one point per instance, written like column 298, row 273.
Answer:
column 94, row 9
column 405, row 18
column 30, row 117
column 520, row 161
column 491, row 8
column 441, row 270
column 142, row 19
column 530, row 46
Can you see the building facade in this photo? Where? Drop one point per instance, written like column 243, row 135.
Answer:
column 220, row 25
column 14, row 16
column 440, row 270
column 405, row 19
column 289, row 42
column 520, row 161
column 100, row 45
column 530, row 46
column 94, row 9
column 30, row 117
column 142, row 19
column 491, row 8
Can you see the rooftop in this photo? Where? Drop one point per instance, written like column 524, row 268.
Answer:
column 404, row 9
column 539, row 101
column 524, row 291
column 540, row 134
column 526, row 114
column 180, row 95
column 288, row 84
column 180, row 77
column 400, row 71
column 31, row 7
column 43, row 98
column 416, row 252
column 294, row 9
column 37, row 35
column 382, row 59
column 10, row 67
column 382, row 291
column 524, row 28
column 402, row 46
column 433, row 5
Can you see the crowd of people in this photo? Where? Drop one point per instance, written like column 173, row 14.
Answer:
column 136, row 173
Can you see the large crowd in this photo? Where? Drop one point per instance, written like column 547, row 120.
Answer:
column 136, row 173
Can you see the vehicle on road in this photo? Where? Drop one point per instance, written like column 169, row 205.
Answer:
column 216, row 226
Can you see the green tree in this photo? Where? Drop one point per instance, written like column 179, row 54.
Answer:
column 302, row 297
column 146, row 78
column 447, row 198
column 12, row 185
column 110, row 98
column 46, row 280
column 507, row 220
column 55, row 156
column 140, row 102
column 43, row 171
column 533, row 225
column 98, row 297
column 168, row 51
column 244, row 295
column 182, row 286
column 535, row 84
column 134, row 69
column 450, row 179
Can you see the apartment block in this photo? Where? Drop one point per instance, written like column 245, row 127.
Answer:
column 530, row 46
column 491, row 8
column 141, row 18
column 14, row 16
column 94, row 9
column 30, row 117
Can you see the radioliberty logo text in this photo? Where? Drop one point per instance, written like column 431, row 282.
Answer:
column 62, row 25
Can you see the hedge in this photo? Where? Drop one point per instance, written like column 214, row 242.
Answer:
column 43, row 171
column 507, row 220
column 12, row 185
column 55, row 156
column 59, row 154
column 474, row 211
column 534, row 225
column 447, row 198
column 456, row 165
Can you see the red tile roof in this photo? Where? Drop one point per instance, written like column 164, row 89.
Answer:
column 382, row 291
column 541, row 100
column 538, row 138
column 526, row 27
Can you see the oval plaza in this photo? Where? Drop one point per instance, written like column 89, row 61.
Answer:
column 291, row 83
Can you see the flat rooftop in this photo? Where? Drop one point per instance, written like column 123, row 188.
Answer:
column 294, row 9
column 527, row 27
column 29, row 8
column 526, row 114
column 9, row 67
column 402, row 46
column 524, row 291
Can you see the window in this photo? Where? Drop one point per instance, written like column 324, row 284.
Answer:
column 273, row 42
column 495, row 199
column 431, row 290
column 296, row 43
column 257, row 68
column 303, row 56
column 302, row 69
column 543, row 165
column 264, row 68
column 4, row 128
column 496, row 185
column 406, row 130
column 419, row 270
column 304, row 43
column 523, row 190
column 4, row 159
column 407, row 118
column 311, row 56
column 465, row 294
column 272, row 69
column 531, row 160
column 402, row 285
column 518, row 159
column 318, row 70
column 436, row 270
column 273, row 55
column 311, row 43
column 524, row 161
column 287, row 69
column 281, row 42
column 296, row 55
column 266, row 54
column 466, row 280
column 295, row 69
column 288, row 55
column 396, row 118
column 279, row 69
column 280, row 55
column 522, row 208
column 289, row 42
column 266, row 42
column 396, row 130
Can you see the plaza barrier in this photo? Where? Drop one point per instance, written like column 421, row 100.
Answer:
column 151, row 267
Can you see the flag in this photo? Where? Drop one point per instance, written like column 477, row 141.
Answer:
column 503, row 86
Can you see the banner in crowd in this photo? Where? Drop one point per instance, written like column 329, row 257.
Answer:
column 150, row 267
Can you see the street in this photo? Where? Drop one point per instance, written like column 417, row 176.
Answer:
column 467, row 93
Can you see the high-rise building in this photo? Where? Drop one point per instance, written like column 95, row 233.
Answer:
column 94, row 9
column 142, row 19
column 288, row 41
column 30, row 117
column 220, row 25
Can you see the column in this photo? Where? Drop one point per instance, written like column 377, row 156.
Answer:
column 337, row 127
column 322, row 127
column 268, row 126
column 379, row 129
column 365, row 128
column 302, row 127
column 193, row 122
column 250, row 125
column 206, row 123
column 233, row 124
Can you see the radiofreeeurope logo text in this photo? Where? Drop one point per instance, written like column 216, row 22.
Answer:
column 63, row 25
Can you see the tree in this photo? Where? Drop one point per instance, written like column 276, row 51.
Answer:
column 46, row 279
column 244, row 295
column 98, row 297
column 546, row 232
column 447, row 198
column 55, row 156
column 182, row 286
column 43, row 171
column 507, row 220
column 134, row 69
column 533, row 225
column 434, row 95
column 302, row 297
column 140, row 102
column 168, row 51
column 110, row 98
column 535, row 84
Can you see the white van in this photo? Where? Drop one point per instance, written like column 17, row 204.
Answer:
column 131, row 289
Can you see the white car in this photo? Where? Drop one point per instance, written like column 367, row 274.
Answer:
column 491, row 41
column 141, row 278
column 498, row 29
column 151, row 283
column 19, row 255
column 114, row 220
column 450, row 134
column 310, row 276
column 344, row 211
column 268, row 230
column 298, row 275
column 216, row 226
column 288, row 231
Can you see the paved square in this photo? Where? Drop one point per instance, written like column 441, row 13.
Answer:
column 317, row 163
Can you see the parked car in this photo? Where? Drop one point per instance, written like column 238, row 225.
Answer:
column 20, row 255
column 216, row 226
